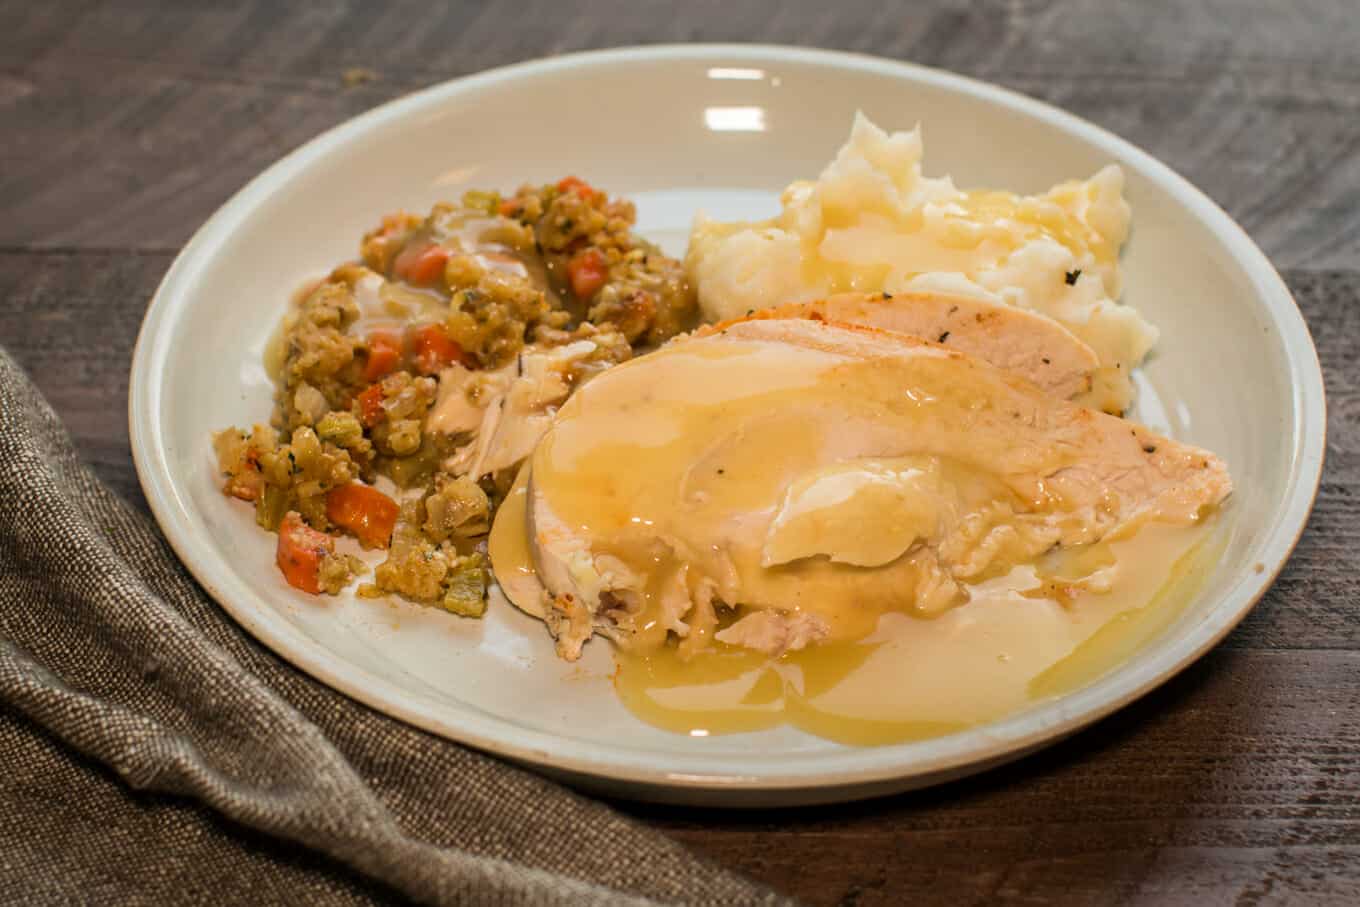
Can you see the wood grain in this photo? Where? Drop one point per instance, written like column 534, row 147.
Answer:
column 1160, row 800
column 130, row 122
column 123, row 125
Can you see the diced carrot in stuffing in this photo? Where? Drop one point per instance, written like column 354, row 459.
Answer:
column 429, row 268
column 509, row 207
column 434, row 349
column 384, row 354
column 587, row 271
column 371, row 410
column 364, row 512
column 577, row 185
column 421, row 265
column 300, row 551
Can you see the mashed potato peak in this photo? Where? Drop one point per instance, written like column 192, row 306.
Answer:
column 873, row 222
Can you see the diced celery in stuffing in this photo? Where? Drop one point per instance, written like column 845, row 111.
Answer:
column 483, row 201
column 340, row 428
column 410, row 471
column 465, row 587
column 271, row 507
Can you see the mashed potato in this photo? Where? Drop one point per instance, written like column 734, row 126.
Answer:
column 872, row 222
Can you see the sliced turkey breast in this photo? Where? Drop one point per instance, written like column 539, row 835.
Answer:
column 794, row 479
column 1025, row 343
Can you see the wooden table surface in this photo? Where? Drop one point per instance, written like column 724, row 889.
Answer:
column 124, row 125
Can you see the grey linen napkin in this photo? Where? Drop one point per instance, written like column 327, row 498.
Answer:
column 150, row 751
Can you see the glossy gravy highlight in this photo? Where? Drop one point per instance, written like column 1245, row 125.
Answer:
column 797, row 479
column 1036, row 633
column 1012, row 645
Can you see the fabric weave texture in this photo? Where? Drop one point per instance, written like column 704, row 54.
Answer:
column 152, row 752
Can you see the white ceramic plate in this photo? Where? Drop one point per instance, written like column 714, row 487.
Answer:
column 676, row 129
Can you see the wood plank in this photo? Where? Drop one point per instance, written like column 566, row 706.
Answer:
column 131, row 124
column 1236, row 781
column 124, row 124
column 71, row 321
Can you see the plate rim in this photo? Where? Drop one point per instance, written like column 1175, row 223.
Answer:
column 952, row 755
